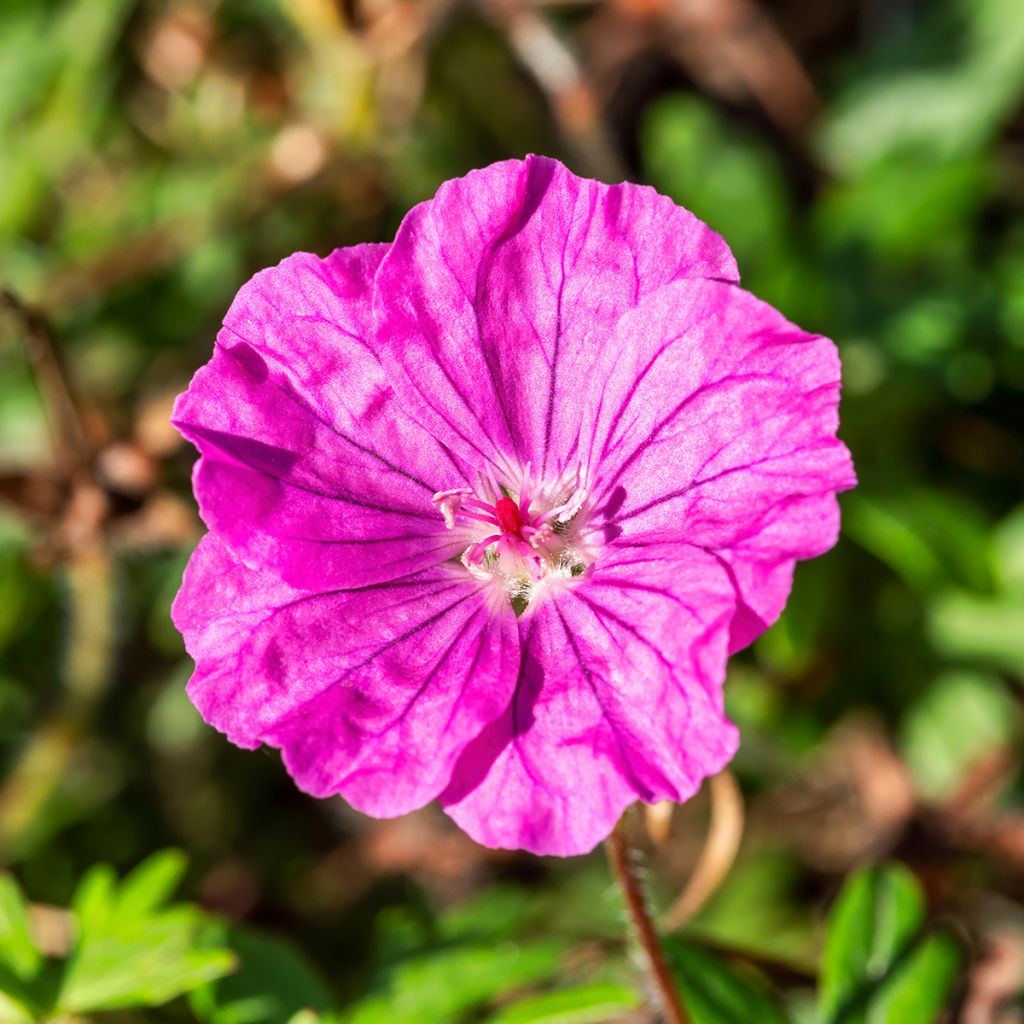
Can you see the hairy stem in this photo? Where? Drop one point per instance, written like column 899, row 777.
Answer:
column 620, row 857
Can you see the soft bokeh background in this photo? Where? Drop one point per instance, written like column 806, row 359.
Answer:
column 864, row 158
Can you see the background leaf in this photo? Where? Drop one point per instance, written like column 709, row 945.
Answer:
column 272, row 984
column 714, row 993
column 878, row 968
column 439, row 987
column 130, row 950
column 18, row 952
column 588, row 1004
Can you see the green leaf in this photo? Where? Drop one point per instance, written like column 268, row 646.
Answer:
column 18, row 1000
column 713, row 993
column 585, row 1004
column 877, row 969
column 1009, row 536
column 965, row 625
column 900, row 203
column 94, row 899
column 435, row 987
column 498, row 913
column 874, row 922
column 145, row 963
column 309, row 1017
column 941, row 111
column 131, row 950
column 152, row 883
column 17, row 950
column 927, row 537
column 919, row 989
column 959, row 718
column 273, row 984
column 759, row 910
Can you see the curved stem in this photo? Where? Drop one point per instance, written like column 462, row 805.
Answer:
column 720, row 849
column 619, row 855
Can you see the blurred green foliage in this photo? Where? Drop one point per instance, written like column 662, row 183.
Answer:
column 156, row 153
column 126, row 948
column 878, row 966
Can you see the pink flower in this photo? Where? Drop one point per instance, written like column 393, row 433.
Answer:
column 490, row 506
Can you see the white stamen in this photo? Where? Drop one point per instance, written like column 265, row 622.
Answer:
column 449, row 503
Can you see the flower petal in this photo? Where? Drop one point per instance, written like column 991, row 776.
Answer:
column 618, row 699
column 309, row 468
column 761, row 566
column 717, row 427
column 497, row 294
column 370, row 693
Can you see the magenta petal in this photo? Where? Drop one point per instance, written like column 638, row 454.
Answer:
column 618, row 699
column 370, row 693
column 309, row 469
column 762, row 565
column 632, row 451
column 497, row 295
column 718, row 429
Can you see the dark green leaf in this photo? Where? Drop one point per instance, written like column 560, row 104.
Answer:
column 273, row 982
column 876, row 966
column 714, row 993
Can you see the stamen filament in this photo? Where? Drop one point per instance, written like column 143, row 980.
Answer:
column 490, row 520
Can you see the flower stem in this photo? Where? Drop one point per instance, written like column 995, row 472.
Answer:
column 620, row 857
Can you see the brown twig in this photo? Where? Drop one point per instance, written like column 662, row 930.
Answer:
column 995, row 979
column 733, row 48
column 69, row 441
column 48, row 755
column 717, row 856
column 761, row 58
column 620, row 857
column 556, row 69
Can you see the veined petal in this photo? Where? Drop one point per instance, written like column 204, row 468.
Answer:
column 762, row 565
column 370, row 693
column 498, row 294
column 309, row 469
column 618, row 699
column 716, row 428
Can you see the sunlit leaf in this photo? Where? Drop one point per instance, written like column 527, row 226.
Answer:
column 130, row 950
column 586, row 1004
column 152, row 883
column 17, row 950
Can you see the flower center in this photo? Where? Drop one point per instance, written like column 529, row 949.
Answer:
column 525, row 535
